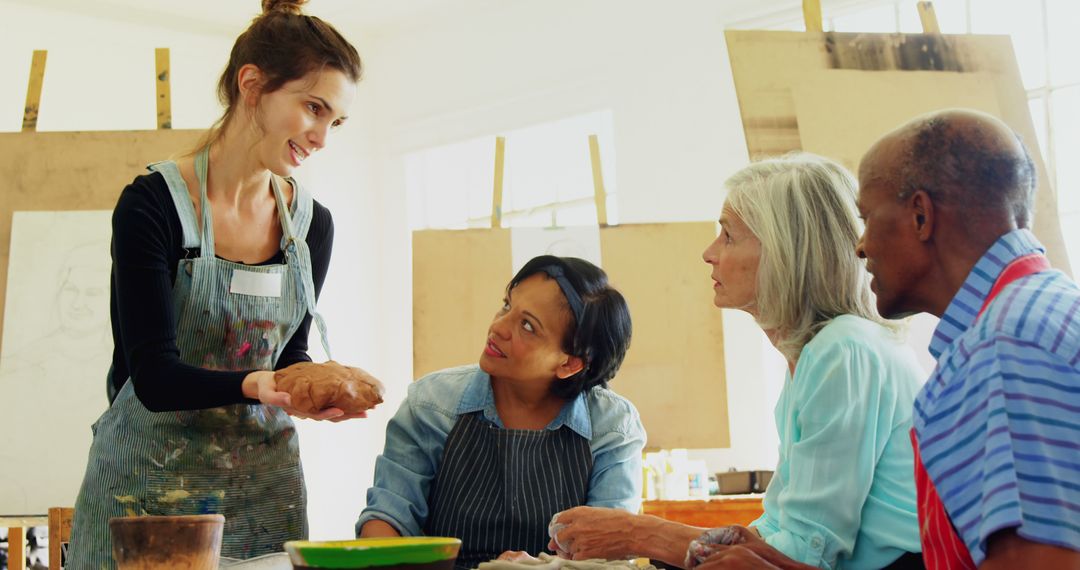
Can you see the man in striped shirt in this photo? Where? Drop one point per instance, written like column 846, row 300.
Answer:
column 947, row 202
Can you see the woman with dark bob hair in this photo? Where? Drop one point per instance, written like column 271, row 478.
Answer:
column 489, row 452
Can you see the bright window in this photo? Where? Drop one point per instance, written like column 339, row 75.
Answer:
column 547, row 177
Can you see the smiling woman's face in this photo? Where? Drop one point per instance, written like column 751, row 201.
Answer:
column 525, row 339
column 296, row 120
column 734, row 257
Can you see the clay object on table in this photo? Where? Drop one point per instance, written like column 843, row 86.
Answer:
column 545, row 561
column 314, row 387
column 167, row 542
column 437, row 565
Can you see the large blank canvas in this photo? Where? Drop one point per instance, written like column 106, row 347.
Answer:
column 458, row 282
column 674, row 372
column 53, row 364
column 835, row 122
column 774, row 71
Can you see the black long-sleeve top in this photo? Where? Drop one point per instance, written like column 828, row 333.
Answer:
column 147, row 246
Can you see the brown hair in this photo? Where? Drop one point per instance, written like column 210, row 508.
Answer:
column 285, row 44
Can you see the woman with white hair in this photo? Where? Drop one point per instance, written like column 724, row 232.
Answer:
column 843, row 494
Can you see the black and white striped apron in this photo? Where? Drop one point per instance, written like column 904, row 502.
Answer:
column 496, row 489
column 241, row 461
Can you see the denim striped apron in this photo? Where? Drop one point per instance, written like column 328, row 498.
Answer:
column 496, row 489
column 241, row 461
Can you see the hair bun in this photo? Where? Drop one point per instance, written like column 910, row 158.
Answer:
column 287, row 6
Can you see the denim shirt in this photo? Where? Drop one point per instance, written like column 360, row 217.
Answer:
column 417, row 434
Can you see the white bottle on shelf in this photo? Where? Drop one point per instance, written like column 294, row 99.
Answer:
column 676, row 477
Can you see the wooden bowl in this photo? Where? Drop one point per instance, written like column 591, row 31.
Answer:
column 167, row 543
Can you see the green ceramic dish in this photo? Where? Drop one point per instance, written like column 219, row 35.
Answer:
column 373, row 552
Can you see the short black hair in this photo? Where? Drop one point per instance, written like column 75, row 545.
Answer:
column 959, row 167
column 602, row 337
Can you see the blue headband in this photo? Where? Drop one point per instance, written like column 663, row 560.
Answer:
column 571, row 294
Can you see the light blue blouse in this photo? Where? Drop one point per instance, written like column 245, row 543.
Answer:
column 417, row 434
column 843, row 495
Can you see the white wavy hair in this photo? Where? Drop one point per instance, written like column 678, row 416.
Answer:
column 801, row 207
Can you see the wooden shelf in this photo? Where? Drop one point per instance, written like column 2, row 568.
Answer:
column 711, row 513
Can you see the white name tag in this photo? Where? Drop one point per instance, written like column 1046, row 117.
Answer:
column 255, row 284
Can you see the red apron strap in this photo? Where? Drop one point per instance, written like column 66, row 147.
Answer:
column 942, row 548
column 1019, row 267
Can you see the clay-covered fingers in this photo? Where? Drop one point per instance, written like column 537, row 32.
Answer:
column 585, row 533
column 708, row 542
column 517, row 556
column 735, row 557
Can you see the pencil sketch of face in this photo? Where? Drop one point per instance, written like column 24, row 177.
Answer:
column 82, row 300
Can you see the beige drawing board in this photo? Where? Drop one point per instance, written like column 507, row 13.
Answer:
column 56, row 342
column 674, row 372
column 835, row 93
column 834, row 120
column 74, row 171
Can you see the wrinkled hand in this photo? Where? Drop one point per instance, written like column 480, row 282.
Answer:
column 314, row 388
column 714, row 540
column 736, row 557
column 583, row 533
column 736, row 546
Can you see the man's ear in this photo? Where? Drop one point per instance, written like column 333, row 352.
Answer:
column 572, row 365
column 922, row 210
column 250, row 81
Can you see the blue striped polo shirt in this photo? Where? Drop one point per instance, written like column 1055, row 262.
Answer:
column 999, row 420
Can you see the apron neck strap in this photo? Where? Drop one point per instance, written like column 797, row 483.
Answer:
column 1016, row 269
column 202, row 165
column 202, row 161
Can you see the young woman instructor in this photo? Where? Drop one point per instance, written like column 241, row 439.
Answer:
column 217, row 261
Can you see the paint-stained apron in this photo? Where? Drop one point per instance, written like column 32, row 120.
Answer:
column 241, row 461
column 496, row 489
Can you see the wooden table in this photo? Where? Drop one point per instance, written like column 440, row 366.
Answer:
column 720, row 510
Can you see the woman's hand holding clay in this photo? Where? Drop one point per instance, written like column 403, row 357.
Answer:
column 316, row 387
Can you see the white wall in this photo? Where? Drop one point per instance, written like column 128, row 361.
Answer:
column 99, row 73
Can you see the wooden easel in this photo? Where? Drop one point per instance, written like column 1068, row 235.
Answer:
column 37, row 78
column 813, row 20
column 59, row 518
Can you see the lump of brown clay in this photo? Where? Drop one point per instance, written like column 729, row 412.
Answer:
column 315, row 387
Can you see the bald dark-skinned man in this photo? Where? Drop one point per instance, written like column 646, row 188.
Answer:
column 947, row 201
